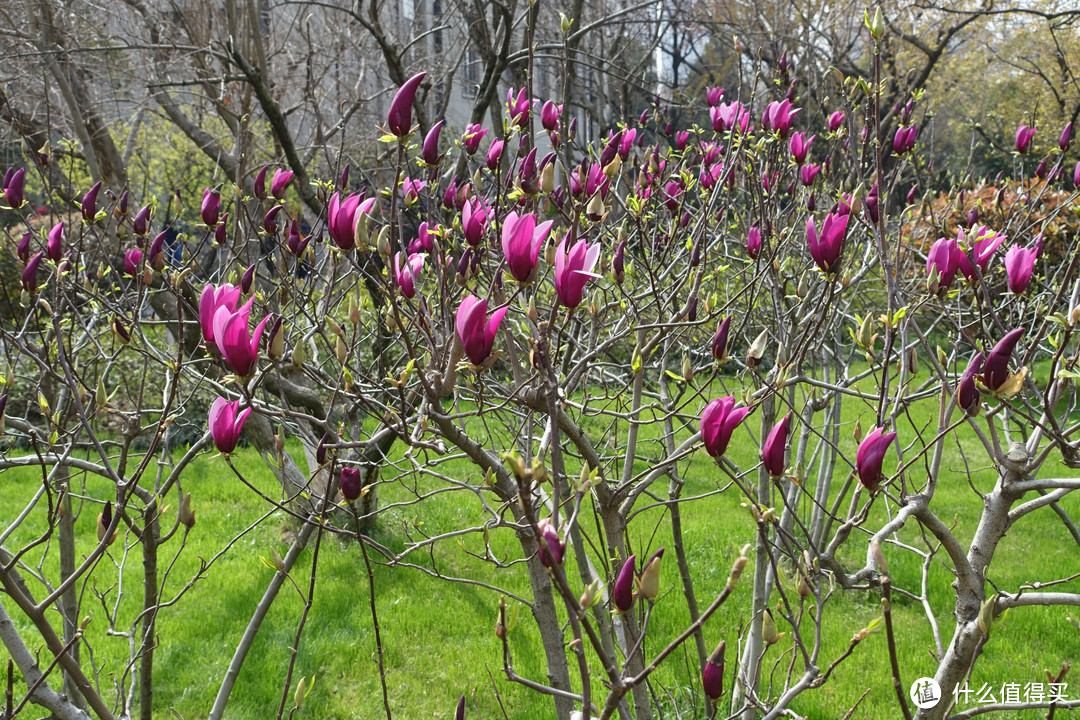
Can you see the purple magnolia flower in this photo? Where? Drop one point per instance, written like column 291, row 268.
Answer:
column 719, row 340
column 29, row 273
column 967, row 394
column 552, row 549
column 259, row 183
column 226, row 421
column 996, row 368
column 730, row 116
column 972, row 217
column 871, row 203
column 221, row 231
column 211, row 300
column 549, row 115
column 526, row 173
column 596, row 181
column 522, row 239
column 1024, row 134
column 778, row 116
column 809, row 173
column 54, row 246
column 518, row 106
column 573, row 270
column 399, row 118
column 712, row 676
column 342, row 216
column 210, row 212
column 411, row 189
column 836, row 119
column 985, row 244
column 800, row 146
column 132, row 260
column 22, row 248
column 494, row 153
column 911, row 193
column 89, row 202
column 473, row 135
column 904, row 139
column 622, row 595
column 713, row 96
column 774, row 450
column 672, row 190
column 468, row 265
column 476, row 330
column 1019, row 265
column 430, row 151
column 710, row 174
column 280, row 182
column 474, row 218
column 154, row 255
column 718, row 421
column 450, row 196
column 239, row 349
column 943, row 261
column 270, row 225
column 753, row 242
column 141, row 222
column 13, row 188
column 406, row 274
column 870, row 455
column 825, row 250
column 351, row 483
column 424, row 240
column 1066, row 137
column 247, row 279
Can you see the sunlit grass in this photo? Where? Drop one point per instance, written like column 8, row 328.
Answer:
column 439, row 637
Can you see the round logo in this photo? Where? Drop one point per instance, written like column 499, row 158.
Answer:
column 925, row 693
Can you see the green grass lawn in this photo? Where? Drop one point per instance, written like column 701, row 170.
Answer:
column 439, row 636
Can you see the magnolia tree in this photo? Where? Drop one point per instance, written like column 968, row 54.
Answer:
column 576, row 324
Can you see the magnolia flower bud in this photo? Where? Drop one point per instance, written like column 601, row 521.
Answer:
column 590, row 595
column 247, row 279
column 187, row 515
column 595, row 209
column 320, row 449
column 104, row 520
column 500, row 620
column 276, row 345
column 547, row 178
column 623, row 593
column 300, row 693
column 986, row 614
column 768, row 628
column 382, row 242
column 649, row 582
column 352, row 485
column 757, row 349
column 712, row 677
column 298, row 354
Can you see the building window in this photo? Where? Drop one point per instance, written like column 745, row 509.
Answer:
column 470, row 73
